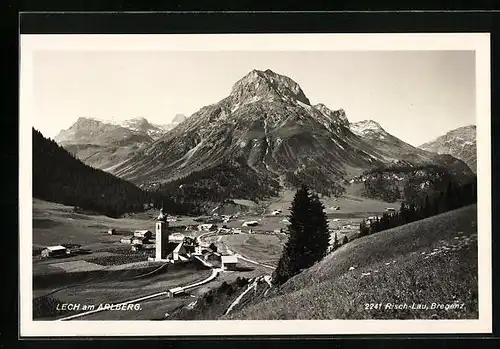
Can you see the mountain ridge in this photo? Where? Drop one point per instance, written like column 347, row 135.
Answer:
column 104, row 144
column 459, row 143
column 267, row 126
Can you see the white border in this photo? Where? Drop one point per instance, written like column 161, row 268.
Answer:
column 480, row 43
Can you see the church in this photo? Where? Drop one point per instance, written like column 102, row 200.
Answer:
column 171, row 251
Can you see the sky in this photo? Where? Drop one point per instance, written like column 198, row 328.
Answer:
column 414, row 95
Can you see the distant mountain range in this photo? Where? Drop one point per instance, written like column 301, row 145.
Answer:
column 264, row 136
column 268, row 131
column 460, row 143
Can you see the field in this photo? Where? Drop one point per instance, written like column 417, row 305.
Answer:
column 54, row 224
column 350, row 206
column 263, row 248
column 425, row 262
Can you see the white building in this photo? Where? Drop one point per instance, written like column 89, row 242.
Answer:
column 176, row 237
column 53, row 251
column 206, row 227
column 250, row 224
column 143, row 234
column 126, row 240
column 228, row 262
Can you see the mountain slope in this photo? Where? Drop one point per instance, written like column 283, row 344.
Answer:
column 460, row 143
column 104, row 145
column 60, row 177
column 387, row 146
column 266, row 126
column 178, row 118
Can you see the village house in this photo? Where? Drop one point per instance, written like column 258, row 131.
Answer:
column 139, row 240
column 212, row 258
column 228, row 262
column 111, row 231
column 250, row 224
column 143, row 234
column 207, row 227
column 176, row 237
column 223, row 231
column 127, row 240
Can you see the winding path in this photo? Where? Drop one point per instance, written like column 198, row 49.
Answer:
column 213, row 275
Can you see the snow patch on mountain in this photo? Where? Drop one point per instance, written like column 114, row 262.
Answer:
column 362, row 128
column 142, row 125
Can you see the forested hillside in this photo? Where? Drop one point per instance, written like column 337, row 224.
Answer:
column 59, row 177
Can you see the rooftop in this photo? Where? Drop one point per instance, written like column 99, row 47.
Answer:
column 55, row 248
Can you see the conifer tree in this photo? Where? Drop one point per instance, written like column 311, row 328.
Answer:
column 363, row 229
column 308, row 236
column 335, row 241
column 345, row 240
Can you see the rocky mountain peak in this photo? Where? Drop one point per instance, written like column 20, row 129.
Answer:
column 460, row 143
column 267, row 85
column 338, row 116
column 86, row 121
column 178, row 118
column 137, row 123
column 366, row 127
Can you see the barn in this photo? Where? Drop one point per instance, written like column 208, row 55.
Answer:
column 54, row 251
column 127, row 240
column 229, row 262
column 139, row 240
column 143, row 234
column 250, row 224
column 206, row 227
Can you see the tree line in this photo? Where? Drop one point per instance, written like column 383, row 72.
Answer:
column 381, row 183
column 196, row 192
column 455, row 196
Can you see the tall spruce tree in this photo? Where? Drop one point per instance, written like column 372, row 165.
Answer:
column 308, row 236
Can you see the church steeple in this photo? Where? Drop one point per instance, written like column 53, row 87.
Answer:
column 161, row 217
column 161, row 236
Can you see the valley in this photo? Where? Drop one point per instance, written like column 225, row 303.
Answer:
column 113, row 274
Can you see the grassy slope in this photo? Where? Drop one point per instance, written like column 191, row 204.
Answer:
column 402, row 270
